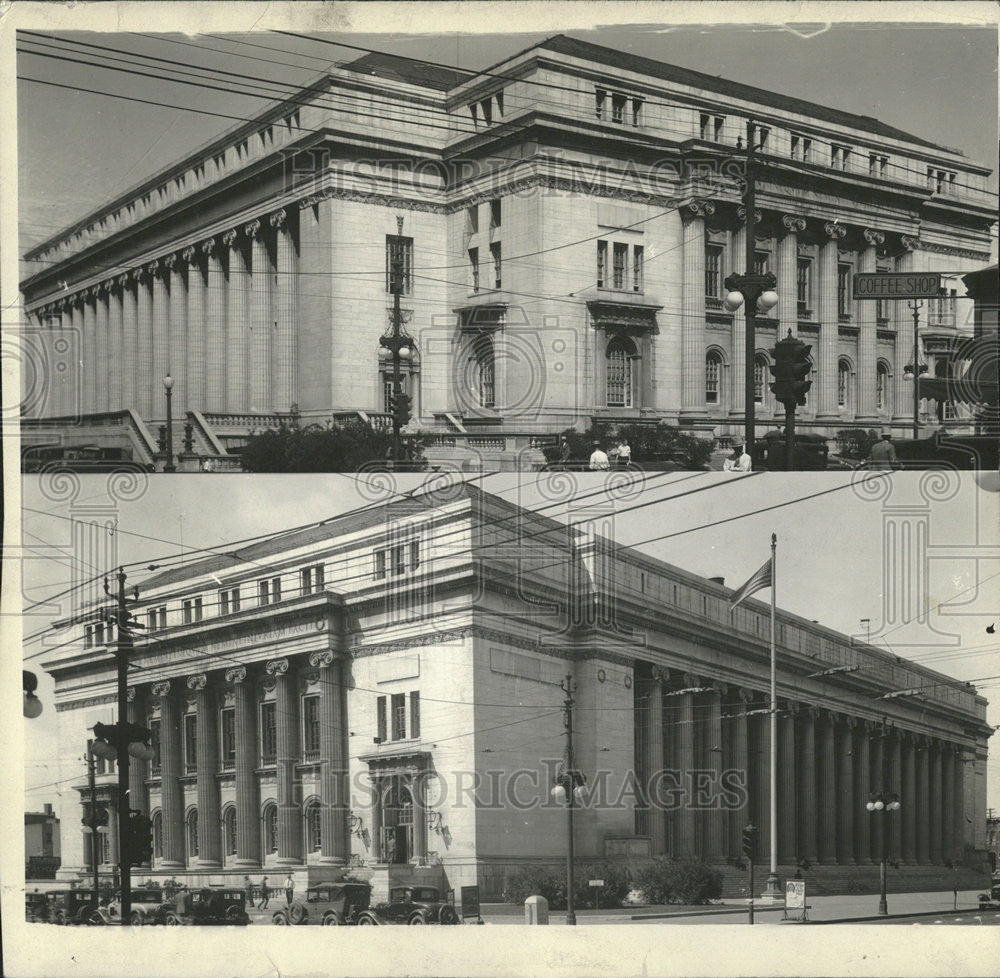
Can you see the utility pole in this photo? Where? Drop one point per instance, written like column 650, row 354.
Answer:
column 396, row 342
column 92, row 781
column 915, row 306
column 568, row 709
column 123, row 653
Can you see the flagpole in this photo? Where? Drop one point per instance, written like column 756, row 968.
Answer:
column 772, row 883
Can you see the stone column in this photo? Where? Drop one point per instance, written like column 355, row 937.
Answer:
column 827, row 790
column 102, row 347
column 829, row 330
column 908, row 801
column 715, row 840
column 334, row 794
column 177, row 342
column 88, row 401
column 895, row 820
column 207, row 755
column 159, row 273
column 806, row 779
column 862, row 791
column 693, row 309
column 215, row 328
column 948, row 802
column 737, row 362
column 144, row 342
column 376, row 795
column 923, row 815
column 902, row 318
column 738, row 761
column 959, row 789
column 685, row 740
column 867, row 337
column 655, row 766
column 289, row 753
column 237, row 326
column 194, row 355
column 247, row 791
column 171, row 769
column 787, row 783
column 877, row 780
column 116, row 346
column 260, row 320
column 761, row 764
column 419, row 815
column 788, row 276
column 130, row 341
column 285, row 286
column 138, row 769
column 934, row 789
column 847, row 803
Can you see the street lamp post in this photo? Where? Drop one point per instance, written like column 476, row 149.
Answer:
column 882, row 802
column 912, row 371
column 568, row 790
column 168, row 465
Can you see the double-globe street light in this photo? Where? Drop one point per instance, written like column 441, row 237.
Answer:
column 880, row 802
column 168, row 465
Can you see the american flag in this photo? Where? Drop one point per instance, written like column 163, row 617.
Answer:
column 762, row 579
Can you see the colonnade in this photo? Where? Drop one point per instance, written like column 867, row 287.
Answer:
column 829, row 765
column 218, row 315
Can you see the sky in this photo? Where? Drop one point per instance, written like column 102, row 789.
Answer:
column 79, row 150
column 830, row 553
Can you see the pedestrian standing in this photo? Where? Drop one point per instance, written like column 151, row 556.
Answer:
column 624, row 453
column 564, row 450
column 289, row 889
column 248, row 887
column 599, row 459
column 265, row 894
column 882, row 456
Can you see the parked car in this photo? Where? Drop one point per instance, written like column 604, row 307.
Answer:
column 811, row 452
column 991, row 900
column 329, row 904
column 411, row 905
column 36, row 906
column 943, row 450
column 207, row 906
column 147, row 906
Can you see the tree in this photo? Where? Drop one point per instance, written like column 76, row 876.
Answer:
column 341, row 446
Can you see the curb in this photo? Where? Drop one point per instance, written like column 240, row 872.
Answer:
column 876, row 916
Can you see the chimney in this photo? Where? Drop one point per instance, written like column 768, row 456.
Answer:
column 718, row 580
column 48, row 808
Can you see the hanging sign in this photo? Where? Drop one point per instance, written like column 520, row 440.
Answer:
column 897, row 285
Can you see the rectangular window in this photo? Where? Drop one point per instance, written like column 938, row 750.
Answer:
column 878, row 166
column 88, row 636
column 154, row 742
column 472, row 219
column 763, row 134
column 398, row 707
column 227, row 724
column 637, row 112
column 620, row 260
column 602, row 263
column 414, row 548
column 415, row 715
column 268, row 733
column 843, row 294
column 637, row 260
column 618, row 108
column 229, row 601
column 398, row 560
column 840, row 156
column 311, row 579
column 310, row 727
column 494, row 213
column 761, row 259
column 379, row 556
column 474, row 268
column 495, row 252
column 803, row 283
column 713, row 271
column 190, row 742
column 712, row 365
column 711, row 127
column 382, row 721
column 399, row 253
column 192, row 610
column 600, row 96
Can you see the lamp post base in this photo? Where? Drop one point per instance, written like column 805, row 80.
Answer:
column 773, row 891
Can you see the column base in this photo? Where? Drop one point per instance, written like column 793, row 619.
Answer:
column 248, row 864
column 208, row 865
column 333, row 860
column 291, row 862
column 171, row 864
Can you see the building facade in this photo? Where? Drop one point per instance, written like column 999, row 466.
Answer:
column 382, row 693
column 565, row 222
column 41, row 844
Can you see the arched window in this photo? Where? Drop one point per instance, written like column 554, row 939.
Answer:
column 157, row 835
column 229, row 825
column 713, row 377
column 314, row 830
column 620, row 362
column 484, row 372
column 192, row 833
column 882, row 386
column 843, row 383
column 760, row 375
column 270, row 829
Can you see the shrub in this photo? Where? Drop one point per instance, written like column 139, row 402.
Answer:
column 550, row 882
column 688, row 882
column 537, row 881
column 856, row 443
column 617, row 884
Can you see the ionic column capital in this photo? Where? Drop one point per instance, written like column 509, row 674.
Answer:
column 161, row 688
column 873, row 237
column 209, row 247
column 276, row 667
column 190, row 255
column 319, row 659
column 252, row 230
column 170, row 262
column 278, row 218
column 793, row 223
column 138, row 273
column 154, row 268
column 103, row 288
column 834, row 231
column 198, row 681
column 741, row 215
column 123, row 281
column 130, row 695
column 229, row 238
column 236, row 675
column 909, row 242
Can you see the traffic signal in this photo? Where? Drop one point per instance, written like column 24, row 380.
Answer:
column 94, row 817
column 790, row 368
column 402, row 406
column 750, row 842
column 138, row 840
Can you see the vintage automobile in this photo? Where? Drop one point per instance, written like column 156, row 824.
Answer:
column 79, row 906
column 36, row 907
column 207, row 906
column 329, row 904
column 147, row 906
column 410, row 905
column 991, row 900
column 810, row 451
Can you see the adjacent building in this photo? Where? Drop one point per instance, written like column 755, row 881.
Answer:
column 41, row 844
column 565, row 221
column 383, row 693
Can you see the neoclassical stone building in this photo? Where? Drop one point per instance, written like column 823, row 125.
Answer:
column 566, row 221
column 382, row 691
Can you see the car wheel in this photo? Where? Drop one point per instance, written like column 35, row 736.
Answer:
column 418, row 918
column 279, row 920
column 172, row 920
column 95, row 919
column 333, row 920
column 298, row 914
column 366, row 922
column 135, row 918
column 61, row 918
column 448, row 915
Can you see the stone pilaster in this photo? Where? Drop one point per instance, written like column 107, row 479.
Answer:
column 144, row 342
column 959, row 791
column 171, row 769
column 787, row 274
column 806, row 778
column 655, row 765
column 247, row 793
column 159, row 276
column 827, row 825
column 334, row 795
column 289, row 753
column 116, row 359
column 715, row 834
column 685, row 738
column 215, row 328
column 787, row 784
column 867, row 337
column 88, row 318
column 102, row 350
column 760, row 762
column 177, row 341
column 260, row 320
column 948, row 802
column 738, row 761
column 829, row 330
column 922, row 806
column 934, row 789
column 846, row 802
column 237, row 326
column 130, row 341
column 285, row 356
column 862, row 791
column 908, row 801
column 194, row 356
column 693, row 310
column 207, row 752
